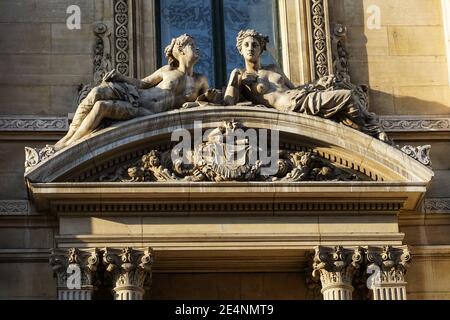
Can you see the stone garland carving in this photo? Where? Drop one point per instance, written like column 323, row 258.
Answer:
column 319, row 38
column 14, row 207
column 419, row 153
column 33, row 124
column 88, row 263
column 213, row 161
column 34, row 156
column 437, row 205
column 121, row 33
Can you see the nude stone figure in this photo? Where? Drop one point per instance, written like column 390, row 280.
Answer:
column 122, row 98
column 273, row 89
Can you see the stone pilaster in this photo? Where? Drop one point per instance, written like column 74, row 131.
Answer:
column 336, row 267
column 75, row 271
column 388, row 265
column 130, row 271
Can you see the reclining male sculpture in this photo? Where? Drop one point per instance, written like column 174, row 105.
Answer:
column 327, row 98
column 123, row 98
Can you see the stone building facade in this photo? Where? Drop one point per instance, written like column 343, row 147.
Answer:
column 252, row 239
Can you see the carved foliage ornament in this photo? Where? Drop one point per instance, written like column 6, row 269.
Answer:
column 393, row 263
column 129, row 267
column 336, row 265
column 419, row 153
column 228, row 156
column 87, row 262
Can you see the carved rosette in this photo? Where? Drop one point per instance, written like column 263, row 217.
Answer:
column 130, row 271
column 336, row 267
column 67, row 265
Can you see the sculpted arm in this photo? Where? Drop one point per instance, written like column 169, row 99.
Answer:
column 232, row 92
column 148, row 82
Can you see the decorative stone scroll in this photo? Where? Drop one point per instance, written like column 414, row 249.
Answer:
column 222, row 158
column 414, row 124
column 419, row 153
column 34, row 156
column 33, row 124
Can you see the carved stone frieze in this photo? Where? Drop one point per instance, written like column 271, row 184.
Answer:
column 32, row 123
column 411, row 123
column 14, row 207
column 437, row 205
column 224, row 158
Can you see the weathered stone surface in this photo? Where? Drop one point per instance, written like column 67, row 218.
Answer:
column 24, row 100
column 25, row 38
column 416, row 41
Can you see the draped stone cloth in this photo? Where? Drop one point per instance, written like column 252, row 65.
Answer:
column 115, row 91
column 341, row 105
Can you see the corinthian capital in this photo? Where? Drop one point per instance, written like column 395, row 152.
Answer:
column 392, row 262
column 130, row 270
column 75, row 268
column 336, row 267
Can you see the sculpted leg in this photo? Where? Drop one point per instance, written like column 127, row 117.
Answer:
column 112, row 109
column 102, row 92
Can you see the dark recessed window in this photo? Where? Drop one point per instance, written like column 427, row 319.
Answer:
column 214, row 24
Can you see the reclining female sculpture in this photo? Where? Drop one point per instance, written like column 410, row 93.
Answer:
column 326, row 98
column 122, row 98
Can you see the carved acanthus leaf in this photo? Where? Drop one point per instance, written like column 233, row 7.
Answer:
column 419, row 153
column 392, row 261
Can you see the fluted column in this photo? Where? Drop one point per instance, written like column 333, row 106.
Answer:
column 336, row 267
column 387, row 266
column 75, row 270
column 130, row 271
